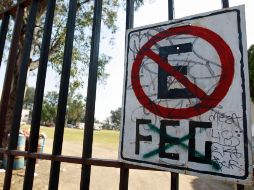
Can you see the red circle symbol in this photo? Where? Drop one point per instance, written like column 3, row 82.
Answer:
column 207, row 102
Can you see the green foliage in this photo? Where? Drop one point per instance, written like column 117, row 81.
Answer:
column 139, row 3
column 82, row 39
column 106, row 124
column 116, row 118
column 251, row 70
column 5, row 4
column 48, row 113
column 49, row 107
column 76, row 109
column 113, row 122
column 29, row 98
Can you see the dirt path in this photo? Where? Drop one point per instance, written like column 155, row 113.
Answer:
column 108, row 178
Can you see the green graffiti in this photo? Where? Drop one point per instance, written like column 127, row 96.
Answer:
column 179, row 142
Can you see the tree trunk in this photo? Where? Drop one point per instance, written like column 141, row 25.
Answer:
column 13, row 92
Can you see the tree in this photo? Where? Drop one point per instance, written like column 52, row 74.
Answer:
column 76, row 109
column 251, row 70
column 49, row 107
column 29, row 98
column 48, row 114
column 80, row 56
column 106, row 124
column 114, row 120
column 81, row 51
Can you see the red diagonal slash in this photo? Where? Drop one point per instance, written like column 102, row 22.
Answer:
column 194, row 89
column 207, row 101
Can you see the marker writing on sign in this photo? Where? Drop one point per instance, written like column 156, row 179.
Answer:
column 194, row 155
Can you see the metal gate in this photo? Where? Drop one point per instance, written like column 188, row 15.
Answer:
column 56, row 157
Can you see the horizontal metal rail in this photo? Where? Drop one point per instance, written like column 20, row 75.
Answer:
column 74, row 159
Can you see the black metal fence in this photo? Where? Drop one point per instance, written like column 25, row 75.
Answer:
column 56, row 157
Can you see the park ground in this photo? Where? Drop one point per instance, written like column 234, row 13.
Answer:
column 105, row 146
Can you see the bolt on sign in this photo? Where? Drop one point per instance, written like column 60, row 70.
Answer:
column 186, row 105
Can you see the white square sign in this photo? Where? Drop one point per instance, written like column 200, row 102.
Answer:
column 186, row 105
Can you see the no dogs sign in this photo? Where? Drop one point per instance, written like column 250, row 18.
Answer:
column 186, row 104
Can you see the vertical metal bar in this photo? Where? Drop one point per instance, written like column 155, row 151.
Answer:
column 63, row 94
column 225, row 3
column 20, row 91
column 9, row 70
column 170, row 9
column 124, row 178
column 129, row 14
column 91, row 94
column 174, row 176
column 240, row 187
column 3, row 33
column 174, row 181
column 40, row 84
column 124, row 172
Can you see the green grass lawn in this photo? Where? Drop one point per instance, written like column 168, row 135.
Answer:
column 105, row 138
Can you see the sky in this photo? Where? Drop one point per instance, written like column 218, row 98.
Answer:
column 109, row 95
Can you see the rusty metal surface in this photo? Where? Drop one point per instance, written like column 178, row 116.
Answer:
column 10, row 70
column 14, row 134
column 74, row 159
